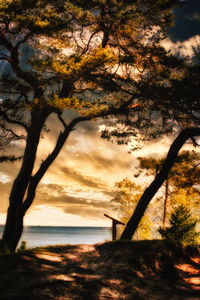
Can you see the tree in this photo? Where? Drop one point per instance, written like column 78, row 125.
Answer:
column 125, row 198
column 181, row 183
column 183, row 92
column 88, row 58
column 182, row 227
column 172, row 106
column 182, row 190
column 161, row 176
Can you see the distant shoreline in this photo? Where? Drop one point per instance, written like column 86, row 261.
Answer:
column 37, row 236
column 67, row 226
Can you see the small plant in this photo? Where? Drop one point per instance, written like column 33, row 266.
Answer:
column 182, row 227
column 22, row 247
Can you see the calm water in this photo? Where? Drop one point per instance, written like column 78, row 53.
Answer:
column 47, row 235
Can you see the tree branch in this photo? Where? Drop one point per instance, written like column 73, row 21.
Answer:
column 59, row 144
column 24, row 39
column 43, row 168
column 7, row 119
column 9, row 158
column 15, row 63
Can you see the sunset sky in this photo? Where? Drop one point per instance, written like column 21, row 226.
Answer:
column 77, row 189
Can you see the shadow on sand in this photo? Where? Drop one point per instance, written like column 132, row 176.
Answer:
column 114, row 270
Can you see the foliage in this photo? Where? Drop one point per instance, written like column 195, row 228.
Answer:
column 10, row 158
column 22, row 247
column 87, row 59
column 124, row 201
column 81, row 46
column 184, row 173
column 172, row 105
column 182, row 227
column 161, row 176
column 183, row 179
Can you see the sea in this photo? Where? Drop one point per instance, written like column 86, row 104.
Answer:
column 36, row 236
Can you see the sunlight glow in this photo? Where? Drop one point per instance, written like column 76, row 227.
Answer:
column 4, row 178
column 50, row 216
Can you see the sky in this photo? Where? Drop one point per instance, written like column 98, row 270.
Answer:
column 78, row 187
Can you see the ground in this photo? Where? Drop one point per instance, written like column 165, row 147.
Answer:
column 113, row 270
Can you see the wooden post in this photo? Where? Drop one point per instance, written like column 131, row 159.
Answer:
column 114, row 226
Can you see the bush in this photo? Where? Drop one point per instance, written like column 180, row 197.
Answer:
column 22, row 247
column 182, row 227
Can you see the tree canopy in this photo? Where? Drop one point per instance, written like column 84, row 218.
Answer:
column 171, row 104
column 86, row 59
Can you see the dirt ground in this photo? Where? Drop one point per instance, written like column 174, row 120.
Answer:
column 114, row 270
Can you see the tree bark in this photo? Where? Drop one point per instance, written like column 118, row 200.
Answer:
column 25, row 183
column 158, row 181
column 14, row 222
column 12, row 242
column 165, row 202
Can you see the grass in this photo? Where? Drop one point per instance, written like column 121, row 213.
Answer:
column 113, row 270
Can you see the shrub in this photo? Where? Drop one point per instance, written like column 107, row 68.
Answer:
column 182, row 227
column 22, row 247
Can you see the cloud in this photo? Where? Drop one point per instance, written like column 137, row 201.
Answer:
column 185, row 48
column 57, row 194
column 80, row 181
column 74, row 201
column 85, row 180
column 4, row 190
column 88, row 211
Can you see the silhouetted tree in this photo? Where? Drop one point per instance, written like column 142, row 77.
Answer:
column 181, row 185
column 88, row 58
column 161, row 176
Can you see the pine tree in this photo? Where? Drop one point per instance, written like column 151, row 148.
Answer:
column 151, row 190
column 182, row 227
column 89, row 59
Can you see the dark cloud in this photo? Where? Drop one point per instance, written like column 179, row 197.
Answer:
column 55, row 195
column 85, row 180
column 88, row 127
column 88, row 211
column 101, row 160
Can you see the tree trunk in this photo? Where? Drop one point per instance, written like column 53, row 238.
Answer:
column 14, row 222
column 26, row 183
column 158, row 181
column 15, row 235
column 165, row 202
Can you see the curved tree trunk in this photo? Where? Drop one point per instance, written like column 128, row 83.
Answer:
column 16, row 233
column 26, row 184
column 158, row 181
column 14, row 222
